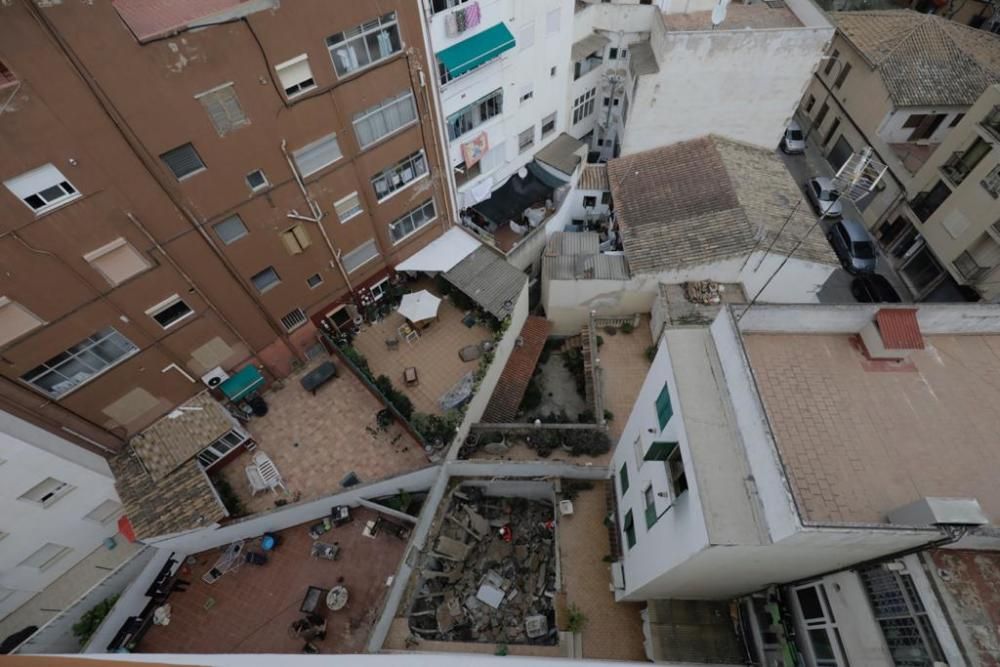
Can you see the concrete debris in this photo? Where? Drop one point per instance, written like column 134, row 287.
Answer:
column 491, row 574
column 705, row 292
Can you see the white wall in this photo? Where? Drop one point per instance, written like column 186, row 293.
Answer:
column 892, row 131
column 934, row 318
column 29, row 456
column 568, row 303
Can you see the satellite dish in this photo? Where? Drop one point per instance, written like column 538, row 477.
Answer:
column 719, row 12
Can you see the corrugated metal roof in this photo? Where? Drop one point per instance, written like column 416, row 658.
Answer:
column 593, row 177
column 561, row 154
column 487, row 278
column 149, row 19
column 585, row 267
column 899, row 329
column 587, row 45
column 573, row 243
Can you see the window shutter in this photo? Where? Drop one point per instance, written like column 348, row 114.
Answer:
column 301, row 235
column 183, row 160
column 313, row 157
column 291, row 243
column 659, row 451
column 224, row 110
column 664, row 410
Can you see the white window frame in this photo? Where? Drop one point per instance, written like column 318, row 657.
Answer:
column 383, row 23
column 527, row 93
column 382, row 109
column 521, row 146
column 104, row 335
column 41, row 179
column 411, row 161
column 377, row 254
column 526, row 35
column 409, row 216
column 212, row 96
column 827, row 623
column 59, row 491
column 226, row 443
column 167, row 303
column 301, row 89
column 354, row 212
column 552, row 20
column 270, row 286
column 312, row 145
column 263, row 186
column 378, row 289
column 246, row 230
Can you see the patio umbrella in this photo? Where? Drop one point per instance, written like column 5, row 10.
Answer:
column 418, row 306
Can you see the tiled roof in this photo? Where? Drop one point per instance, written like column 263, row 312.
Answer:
column 593, row 177
column 514, row 379
column 899, row 328
column 181, row 434
column 181, row 501
column 923, row 59
column 700, row 201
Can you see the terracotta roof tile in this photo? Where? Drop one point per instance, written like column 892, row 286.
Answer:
column 181, row 434
column 514, row 379
column 899, row 328
column 593, row 177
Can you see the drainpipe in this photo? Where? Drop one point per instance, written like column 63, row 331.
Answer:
column 317, row 215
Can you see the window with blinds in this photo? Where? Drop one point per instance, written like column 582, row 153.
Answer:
column 321, row 153
column 223, row 108
column 295, row 76
column 183, row 161
column 398, row 176
column 348, row 207
column 361, row 255
column 388, row 116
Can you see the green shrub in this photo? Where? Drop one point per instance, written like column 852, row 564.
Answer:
column 228, row 496
column 628, row 328
column 532, row 396
column 573, row 361
column 357, row 359
column 608, row 415
column 398, row 399
column 550, row 346
column 651, row 353
column 586, row 417
column 600, row 341
column 576, row 620
column 436, row 428
column 85, row 628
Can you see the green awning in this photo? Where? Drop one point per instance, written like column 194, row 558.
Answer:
column 476, row 50
column 242, row 384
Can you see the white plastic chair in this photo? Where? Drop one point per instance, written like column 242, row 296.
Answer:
column 269, row 472
column 256, row 480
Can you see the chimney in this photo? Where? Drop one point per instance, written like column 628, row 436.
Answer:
column 893, row 334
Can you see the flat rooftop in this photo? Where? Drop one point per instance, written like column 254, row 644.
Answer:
column 860, row 438
column 760, row 15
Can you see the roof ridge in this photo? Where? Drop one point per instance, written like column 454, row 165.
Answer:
column 902, row 40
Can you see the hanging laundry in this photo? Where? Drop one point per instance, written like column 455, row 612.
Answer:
column 474, row 150
column 384, row 44
column 472, row 15
column 450, row 25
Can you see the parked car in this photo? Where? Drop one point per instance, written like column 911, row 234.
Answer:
column 853, row 246
column 874, row 289
column 825, row 198
column 793, row 142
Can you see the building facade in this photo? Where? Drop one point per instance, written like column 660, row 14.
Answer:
column 278, row 161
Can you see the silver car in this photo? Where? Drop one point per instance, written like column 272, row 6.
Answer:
column 793, row 142
column 825, row 198
column 853, row 246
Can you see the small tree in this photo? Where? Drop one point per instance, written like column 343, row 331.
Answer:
column 576, row 620
column 85, row 628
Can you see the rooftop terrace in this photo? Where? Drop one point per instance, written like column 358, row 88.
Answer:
column 759, row 15
column 859, row 438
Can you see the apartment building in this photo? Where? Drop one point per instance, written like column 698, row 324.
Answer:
column 59, row 525
column 906, row 84
column 785, row 443
column 252, row 170
column 649, row 74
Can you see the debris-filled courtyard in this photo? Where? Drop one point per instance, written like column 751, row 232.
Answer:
column 491, row 572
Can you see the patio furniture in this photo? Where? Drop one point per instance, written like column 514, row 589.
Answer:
column 340, row 515
column 459, row 393
column 470, row 353
column 408, row 333
column 227, row 562
column 419, row 306
column 313, row 599
column 392, row 343
column 318, row 376
column 326, row 550
column 336, row 599
column 269, row 472
column 469, row 320
column 257, row 483
column 410, row 378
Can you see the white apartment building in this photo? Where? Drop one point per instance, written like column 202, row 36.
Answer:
column 651, row 74
column 502, row 67
column 59, row 509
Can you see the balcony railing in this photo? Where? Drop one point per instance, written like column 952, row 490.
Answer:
column 991, row 122
column 969, row 268
column 992, row 182
column 955, row 169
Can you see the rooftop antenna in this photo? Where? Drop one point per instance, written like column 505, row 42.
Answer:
column 719, row 13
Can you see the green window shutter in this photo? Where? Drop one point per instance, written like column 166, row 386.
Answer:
column 623, row 477
column 629, row 529
column 659, row 451
column 664, row 410
column 650, row 516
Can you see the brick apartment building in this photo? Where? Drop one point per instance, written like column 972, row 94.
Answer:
column 195, row 187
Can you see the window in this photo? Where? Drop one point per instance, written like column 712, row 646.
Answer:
column 295, row 75
column 901, row 614
column 105, row 512
column 623, row 478
column 923, row 125
column 675, row 471
column 606, row 102
column 475, row 114
column 821, row 636
column 388, row 116
column 412, row 221
column 606, row 198
column 926, row 203
column 844, row 71
column 360, row 256
column 956, row 120
column 319, row 154
column 649, row 505
column 613, row 53
column 552, row 71
column 831, row 61
column 583, row 106
column 526, row 139
column 588, row 64
column 81, row 362
column 527, row 92
column 552, row 21
column 834, row 126
column 399, row 175
column 296, row 239
column 810, row 102
column 223, row 108
column 589, row 202
column 183, row 161
column 526, row 36
column 314, row 281
column 629, row 529
column 821, row 116
column 441, row 5
column 15, row 320
column 293, row 320
column 991, row 183
column 664, row 410
column 365, row 44
column 170, row 311
column 378, row 289
column 46, row 492
column 218, row 449
column 45, row 557
column 257, row 180
column 265, row 280
column 548, row 125
column 42, row 189
column 231, row 229
column 7, row 77
column 961, row 164
column 348, row 207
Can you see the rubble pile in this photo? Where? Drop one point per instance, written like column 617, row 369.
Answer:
column 705, row 292
column 490, row 573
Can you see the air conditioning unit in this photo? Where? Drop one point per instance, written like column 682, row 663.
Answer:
column 215, row 377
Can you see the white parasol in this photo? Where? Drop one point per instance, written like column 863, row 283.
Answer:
column 419, row 306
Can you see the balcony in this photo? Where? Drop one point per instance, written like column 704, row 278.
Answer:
column 968, row 268
column 991, row 122
column 926, row 203
column 961, row 163
column 474, row 52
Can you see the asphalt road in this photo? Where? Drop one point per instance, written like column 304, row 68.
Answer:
column 837, row 288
